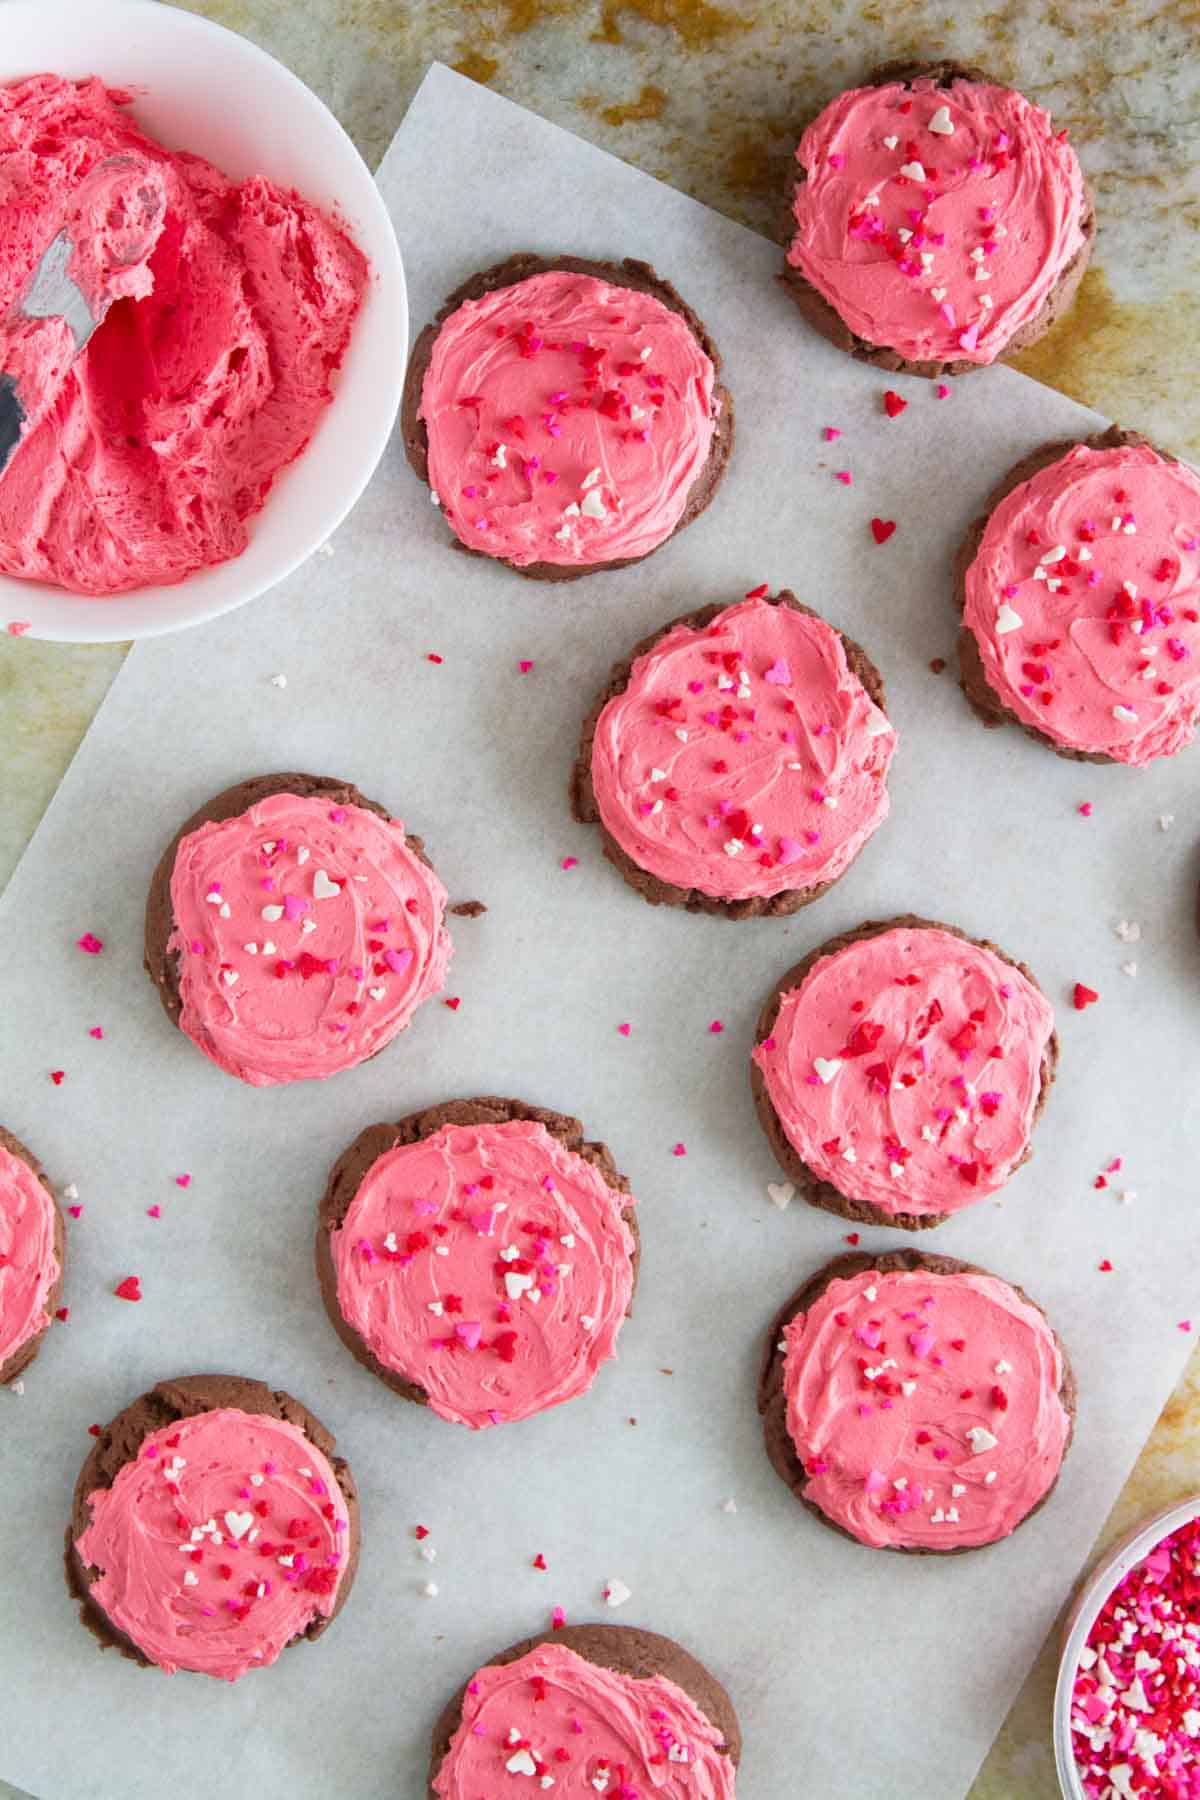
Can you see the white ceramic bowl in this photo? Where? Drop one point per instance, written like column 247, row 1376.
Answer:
column 199, row 87
column 1083, row 1615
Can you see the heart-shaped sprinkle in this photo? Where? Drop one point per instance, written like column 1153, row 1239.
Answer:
column 1007, row 620
column 890, row 142
column 238, row 1524
column 1083, row 996
column 397, row 960
column 1125, row 715
column 323, row 888
column 271, row 913
column 781, row 1194
column 893, row 405
column 129, row 1289
column 941, row 122
column 882, row 529
column 826, row 1067
column 981, row 1439
column 779, row 673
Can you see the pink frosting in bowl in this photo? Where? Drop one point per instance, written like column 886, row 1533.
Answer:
column 490, row 1266
column 925, row 1407
column 224, row 1537
column 1084, row 602
column 307, row 934
column 568, row 419
column 29, row 1267
column 906, row 1069
column 744, row 758
column 591, row 1730
column 936, row 221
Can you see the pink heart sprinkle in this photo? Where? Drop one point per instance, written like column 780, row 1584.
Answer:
column 844, row 476
column 525, row 666
column 183, row 1181
column 469, row 1333
column 96, row 1031
column 397, row 960
column 679, row 1150
column 569, row 862
column 624, row 1030
column 294, row 906
column 789, row 850
column 90, row 944
column 831, row 432
column 18, row 627
column 779, row 674
column 154, row 1212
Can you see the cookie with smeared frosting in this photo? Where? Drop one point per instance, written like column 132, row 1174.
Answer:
column 32, row 1256
column 737, row 762
column 916, row 1403
column 599, row 1709
column 293, row 928
column 899, row 1070
column 479, row 1257
column 566, row 414
column 936, row 221
column 1079, row 592
column 212, row 1526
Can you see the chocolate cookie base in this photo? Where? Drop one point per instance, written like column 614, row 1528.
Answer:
column 24, row 1354
column 161, row 965
column 772, row 1402
column 626, row 1650
column 583, row 798
column 120, row 1442
column 825, row 319
column 983, row 698
column 643, row 279
column 357, row 1159
column 812, row 1186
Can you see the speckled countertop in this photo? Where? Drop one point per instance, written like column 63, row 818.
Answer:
column 709, row 97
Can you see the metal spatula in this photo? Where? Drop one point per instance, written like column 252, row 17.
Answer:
column 135, row 210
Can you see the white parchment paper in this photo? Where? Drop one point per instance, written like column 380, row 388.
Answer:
column 857, row 1675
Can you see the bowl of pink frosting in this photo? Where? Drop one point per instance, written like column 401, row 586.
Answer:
column 235, row 400
column 1127, row 1701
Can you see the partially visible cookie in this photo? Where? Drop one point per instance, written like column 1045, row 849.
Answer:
column 935, row 220
column 603, row 1708
column 567, row 414
column 900, row 1069
column 916, row 1403
column 212, row 1526
column 293, row 928
column 1079, row 590
column 480, row 1257
column 32, row 1255
column 737, row 762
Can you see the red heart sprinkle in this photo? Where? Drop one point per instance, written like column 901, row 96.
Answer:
column 422, row 1531
column 94, row 1430
column 893, row 405
column 455, row 1003
column 539, row 1561
column 57, row 1076
column 1083, row 996
column 128, row 1289
column 63, row 1314
column 1106, row 1267
column 882, row 529
column 852, row 1237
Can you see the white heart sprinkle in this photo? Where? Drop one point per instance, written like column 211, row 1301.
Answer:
column 323, row 888
column 303, row 854
column 1055, row 555
column 850, row 1154
column 615, row 1592
column 521, row 1763
column 1007, row 620
column 229, row 976
column 941, row 122
column 827, row 1067
column 939, row 294
column 586, row 1322
column 590, row 479
column 1129, row 968
column 959, row 1487
column 271, row 913
column 268, row 948
column 516, row 1284
column 990, row 1477
column 307, row 925
column 879, row 726
column 981, row 1439
column 436, row 1308
column 250, row 949
column 567, row 1240
column 214, row 898
column 1003, row 1368
column 377, row 993
column 593, row 506
column 908, row 1387
column 1125, row 714
column 891, row 142
column 781, row 1194
column 191, row 1579
column 224, row 911
column 238, row 1524
column 914, row 170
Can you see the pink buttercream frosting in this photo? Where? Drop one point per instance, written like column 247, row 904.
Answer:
column 28, row 1266
column 1084, row 600
column 568, row 419
column 593, row 1731
column 307, row 933
column 219, row 1542
column 490, row 1265
column 906, row 1069
column 925, row 1407
column 936, row 221
column 146, row 459
column 745, row 758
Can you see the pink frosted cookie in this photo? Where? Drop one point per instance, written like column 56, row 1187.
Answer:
column 737, row 763
column 212, row 1526
column 1080, row 597
column 899, row 1071
column 32, row 1248
column 567, row 415
column 293, row 928
column 479, row 1257
column 916, row 1403
column 590, row 1709
column 936, row 220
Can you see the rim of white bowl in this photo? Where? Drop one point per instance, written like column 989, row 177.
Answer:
column 94, row 624
column 1085, row 1610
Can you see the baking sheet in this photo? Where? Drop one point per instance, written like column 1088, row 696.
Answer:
column 856, row 1675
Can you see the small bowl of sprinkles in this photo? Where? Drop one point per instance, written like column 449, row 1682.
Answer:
column 1127, row 1702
